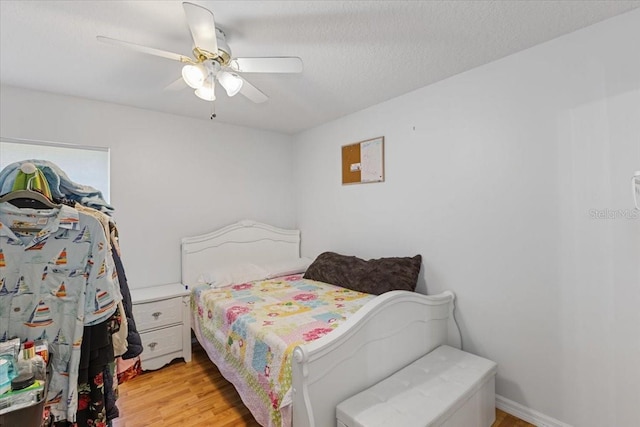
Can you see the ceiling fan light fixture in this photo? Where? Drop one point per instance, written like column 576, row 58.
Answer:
column 207, row 90
column 193, row 75
column 212, row 59
column 231, row 82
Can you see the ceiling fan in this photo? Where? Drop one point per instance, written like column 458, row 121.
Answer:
column 212, row 59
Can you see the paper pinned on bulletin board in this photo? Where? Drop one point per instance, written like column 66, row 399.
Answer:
column 363, row 162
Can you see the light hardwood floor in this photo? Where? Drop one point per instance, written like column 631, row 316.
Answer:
column 196, row 395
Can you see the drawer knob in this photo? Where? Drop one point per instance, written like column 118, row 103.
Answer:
column 156, row 315
column 152, row 345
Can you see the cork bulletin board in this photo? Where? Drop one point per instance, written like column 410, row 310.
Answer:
column 363, row 162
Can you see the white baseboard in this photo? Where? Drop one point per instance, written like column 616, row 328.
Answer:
column 527, row 414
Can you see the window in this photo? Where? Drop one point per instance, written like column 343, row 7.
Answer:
column 83, row 164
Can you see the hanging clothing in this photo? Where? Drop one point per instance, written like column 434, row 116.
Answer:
column 97, row 390
column 35, row 181
column 56, row 277
column 119, row 336
column 62, row 187
column 134, row 342
column 120, row 339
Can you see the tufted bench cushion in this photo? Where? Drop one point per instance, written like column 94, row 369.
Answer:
column 447, row 387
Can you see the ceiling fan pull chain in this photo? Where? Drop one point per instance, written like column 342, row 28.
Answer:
column 213, row 110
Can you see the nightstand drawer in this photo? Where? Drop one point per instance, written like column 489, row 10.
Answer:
column 158, row 313
column 161, row 342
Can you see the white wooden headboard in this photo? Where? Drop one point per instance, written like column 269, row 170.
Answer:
column 244, row 241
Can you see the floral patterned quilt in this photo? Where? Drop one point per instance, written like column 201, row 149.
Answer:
column 254, row 327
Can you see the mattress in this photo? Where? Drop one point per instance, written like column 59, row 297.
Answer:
column 250, row 330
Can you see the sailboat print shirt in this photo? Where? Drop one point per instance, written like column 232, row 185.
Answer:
column 56, row 276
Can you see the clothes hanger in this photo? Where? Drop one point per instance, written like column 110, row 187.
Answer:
column 29, row 198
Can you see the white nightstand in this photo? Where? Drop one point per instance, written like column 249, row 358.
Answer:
column 163, row 321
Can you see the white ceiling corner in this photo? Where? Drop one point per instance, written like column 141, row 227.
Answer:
column 356, row 53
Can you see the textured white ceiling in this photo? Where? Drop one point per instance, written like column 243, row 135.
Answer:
column 356, row 53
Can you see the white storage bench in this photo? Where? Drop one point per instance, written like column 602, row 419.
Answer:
column 445, row 388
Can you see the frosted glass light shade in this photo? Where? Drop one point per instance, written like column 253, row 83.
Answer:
column 207, row 91
column 193, row 75
column 231, row 82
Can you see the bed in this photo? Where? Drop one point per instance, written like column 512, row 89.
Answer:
column 365, row 338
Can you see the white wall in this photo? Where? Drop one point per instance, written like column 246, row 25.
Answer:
column 493, row 176
column 171, row 176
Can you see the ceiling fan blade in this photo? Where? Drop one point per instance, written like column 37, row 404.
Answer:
column 202, row 27
column 176, row 85
column 253, row 93
column 145, row 49
column 282, row 64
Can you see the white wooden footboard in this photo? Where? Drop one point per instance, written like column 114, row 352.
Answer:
column 385, row 335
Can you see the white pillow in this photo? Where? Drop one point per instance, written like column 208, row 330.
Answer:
column 286, row 267
column 232, row 274
column 249, row 272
